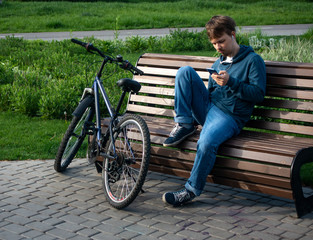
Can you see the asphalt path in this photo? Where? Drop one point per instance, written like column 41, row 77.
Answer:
column 268, row 30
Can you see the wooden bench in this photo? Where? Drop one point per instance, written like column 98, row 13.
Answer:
column 266, row 157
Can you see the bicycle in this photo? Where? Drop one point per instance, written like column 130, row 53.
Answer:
column 122, row 153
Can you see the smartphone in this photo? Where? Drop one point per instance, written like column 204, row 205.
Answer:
column 212, row 70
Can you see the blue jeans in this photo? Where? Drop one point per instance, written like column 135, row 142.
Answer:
column 192, row 102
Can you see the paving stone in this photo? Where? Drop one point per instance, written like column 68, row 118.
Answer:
column 114, row 230
column 219, row 233
column 102, row 235
column 70, row 227
column 39, row 226
column 263, row 236
column 127, row 235
column 19, row 220
column 60, row 233
column 168, row 228
column 88, row 232
column 291, row 235
column 9, row 235
column 32, row 234
column 140, row 229
column 24, row 212
column 73, row 219
column 293, row 228
column 16, row 228
column 188, row 234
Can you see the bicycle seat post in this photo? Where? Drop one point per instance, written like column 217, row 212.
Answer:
column 120, row 102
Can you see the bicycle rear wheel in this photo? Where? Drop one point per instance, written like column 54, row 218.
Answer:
column 124, row 176
column 81, row 123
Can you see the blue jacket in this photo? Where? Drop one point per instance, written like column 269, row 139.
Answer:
column 245, row 87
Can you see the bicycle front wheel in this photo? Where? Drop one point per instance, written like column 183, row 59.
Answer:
column 81, row 123
column 124, row 176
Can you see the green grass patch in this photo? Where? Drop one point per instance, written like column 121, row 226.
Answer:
column 22, row 137
column 37, row 16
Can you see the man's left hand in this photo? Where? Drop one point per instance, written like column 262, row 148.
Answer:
column 221, row 78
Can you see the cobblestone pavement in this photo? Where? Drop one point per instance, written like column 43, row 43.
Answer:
column 38, row 203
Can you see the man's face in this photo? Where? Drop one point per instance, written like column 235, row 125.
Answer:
column 224, row 44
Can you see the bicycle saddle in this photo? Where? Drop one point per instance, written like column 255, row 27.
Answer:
column 129, row 85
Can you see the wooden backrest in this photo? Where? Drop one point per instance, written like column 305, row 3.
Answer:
column 288, row 105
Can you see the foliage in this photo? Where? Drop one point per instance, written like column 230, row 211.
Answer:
column 47, row 79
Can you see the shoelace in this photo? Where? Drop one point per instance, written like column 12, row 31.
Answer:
column 175, row 129
column 181, row 196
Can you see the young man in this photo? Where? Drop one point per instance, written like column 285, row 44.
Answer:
column 222, row 109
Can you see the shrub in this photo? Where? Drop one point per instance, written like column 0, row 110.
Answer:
column 47, row 78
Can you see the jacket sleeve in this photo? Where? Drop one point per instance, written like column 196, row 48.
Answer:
column 252, row 90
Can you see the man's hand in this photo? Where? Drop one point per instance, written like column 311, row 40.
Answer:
column 221, row 78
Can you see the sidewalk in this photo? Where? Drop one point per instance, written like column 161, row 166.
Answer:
column 269, row 30
column 38, row 203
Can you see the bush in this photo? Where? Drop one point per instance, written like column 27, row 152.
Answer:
column 40, row 78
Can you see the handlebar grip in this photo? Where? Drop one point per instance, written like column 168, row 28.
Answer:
column 79, row 42
column 128, row 66
column 138, row 71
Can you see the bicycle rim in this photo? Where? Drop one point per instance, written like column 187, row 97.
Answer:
column 76, row 138
column 123, row 178
column 73, row 137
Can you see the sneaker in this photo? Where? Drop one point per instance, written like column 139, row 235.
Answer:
column 177, row 135
column 178, row 198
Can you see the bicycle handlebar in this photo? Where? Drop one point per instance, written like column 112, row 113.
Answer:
column 124, row 64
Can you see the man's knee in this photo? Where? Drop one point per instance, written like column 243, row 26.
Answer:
column 184, row 72
column 207, row 144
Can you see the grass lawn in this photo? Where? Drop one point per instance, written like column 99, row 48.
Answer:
column 34, row 16
column 22, row 137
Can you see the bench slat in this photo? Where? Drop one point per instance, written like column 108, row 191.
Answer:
column 290, row 82
column 151, row 110
column 178, row 57
column 289, row 93
column 165, row 81
column 289, row 71
column 169, row 72
column 282, row 127
column 287, row 104
column 296, row 116
column 152, row 100
column 169, row 63
column 157, row 90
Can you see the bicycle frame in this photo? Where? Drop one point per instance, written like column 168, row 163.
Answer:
column 98, row 89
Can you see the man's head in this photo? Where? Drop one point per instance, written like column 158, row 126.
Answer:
column 222, row 34
column 218, row 25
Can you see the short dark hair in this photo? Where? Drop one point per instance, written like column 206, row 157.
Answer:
column 218, row 25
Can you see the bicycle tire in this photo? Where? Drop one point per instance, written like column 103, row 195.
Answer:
column 123, row 178
column 75, row 134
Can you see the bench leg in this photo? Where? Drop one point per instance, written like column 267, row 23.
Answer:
column 303, row 205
